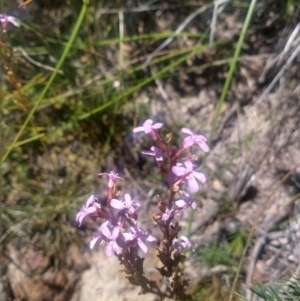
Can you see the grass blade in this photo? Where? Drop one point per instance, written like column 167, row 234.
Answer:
column 57, row 68
column 232, row 68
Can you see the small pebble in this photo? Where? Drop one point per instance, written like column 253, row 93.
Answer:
column 275, row 243
column 283, row 241
column 291, row 258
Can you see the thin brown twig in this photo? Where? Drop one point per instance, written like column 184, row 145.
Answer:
column 259, row 244
column 177, row 31
column 251, row 233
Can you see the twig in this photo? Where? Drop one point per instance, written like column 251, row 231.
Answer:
column 177, row 31
column 164, row 95
column 254, row 254
column 279, row 74
column 291, row 38
column 214, row 20
column 35, row 62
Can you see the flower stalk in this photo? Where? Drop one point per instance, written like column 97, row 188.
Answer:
column 120, row 230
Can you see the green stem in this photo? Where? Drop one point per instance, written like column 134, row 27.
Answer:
column 57, row 68
column 222, row 98
column 232, row 68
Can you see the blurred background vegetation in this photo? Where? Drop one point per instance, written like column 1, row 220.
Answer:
column 114, row 75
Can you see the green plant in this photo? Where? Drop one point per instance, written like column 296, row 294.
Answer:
column 280, row 291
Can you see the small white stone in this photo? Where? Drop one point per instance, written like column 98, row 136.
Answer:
column 283, row 241
column 116, row 84
column 291, row 258
column 275, row 243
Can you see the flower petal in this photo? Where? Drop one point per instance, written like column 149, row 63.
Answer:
column 80, row 217
column 187, row 131
column 108, row 249
column 184, row 239
column 115, row 232
column 157, row 126
column 90, row 200
column 117, row 249
column 204, row 146
column 128, row 236
column 151, row 238
column 180, row 203
column 138, row 129
column 188, row 142
column 93, row 241
column 149, row 153
column 13, row 21
column 179, row 171
column 189, row 165
column 135, row 204
column 116, row 204
column 193, row 185
column 200, row 176
column 142, row 246
column 127, row 200
column 91, row 211
column 104, row 230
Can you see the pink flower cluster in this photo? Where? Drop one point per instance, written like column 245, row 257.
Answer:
column 119, row 229
column 185, row 170
column 118, row 214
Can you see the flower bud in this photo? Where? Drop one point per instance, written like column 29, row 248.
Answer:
column 161, row 204
column 156, row 217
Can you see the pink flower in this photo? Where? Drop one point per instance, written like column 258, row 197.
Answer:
column 186, row 202
column 108, row 235
column 185, row 243
column 194, row 139
column 128, row 204
column 168, row 214
column 112, row 177
column 140, row 236
column 89, row 209
column 148, row 127
column 182, row 244
column 157, row 153
column 8, row 19
column 185, row 171
column 96, row 237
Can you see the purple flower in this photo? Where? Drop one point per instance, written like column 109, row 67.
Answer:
column 140, row 237
column 186, row 171
column 108, row 235
column 157, row 153
column 194, row 139
column 96, row 237
column 184, row 243
column 89, row 209
column 148, row 127
column 112, row 176
column 8, row 19
column 186, row 202
column 168, row 214
column 128, row 204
